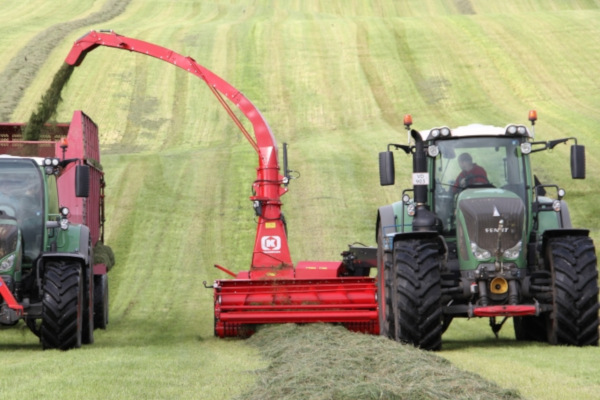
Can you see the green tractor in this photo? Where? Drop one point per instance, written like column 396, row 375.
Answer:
column 46, row 262
column 53, row 262
column 479, row 236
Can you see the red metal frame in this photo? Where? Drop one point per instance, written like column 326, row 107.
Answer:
column 505, row 311
column 272, row 291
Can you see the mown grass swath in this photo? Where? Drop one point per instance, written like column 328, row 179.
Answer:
column 333, row 79
column 327, row 362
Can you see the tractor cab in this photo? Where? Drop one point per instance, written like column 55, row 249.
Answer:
column 465, row 164
column 22, row 206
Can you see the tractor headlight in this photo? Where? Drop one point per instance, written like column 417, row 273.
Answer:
column 433, row 150
column 479, row 253
column 7, row 263
column 64, row 224
column 556, row 205
column 51, row 165
column 514, row 251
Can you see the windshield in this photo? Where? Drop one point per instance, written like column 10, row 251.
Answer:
column 475, row 162
column 21, row 197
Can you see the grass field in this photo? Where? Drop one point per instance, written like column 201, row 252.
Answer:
column 334, row 79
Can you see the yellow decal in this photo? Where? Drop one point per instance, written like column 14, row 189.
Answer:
column 270, row 225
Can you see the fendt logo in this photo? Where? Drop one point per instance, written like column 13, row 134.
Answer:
column 270, row 244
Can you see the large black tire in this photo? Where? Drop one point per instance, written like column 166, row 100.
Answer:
column 62, row 306
column 384, row 291
column 417, row 301
column 574, row 318
column 101, row 301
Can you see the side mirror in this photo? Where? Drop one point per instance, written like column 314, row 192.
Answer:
column 577, row 161
column 386, row 168
column 82, row 181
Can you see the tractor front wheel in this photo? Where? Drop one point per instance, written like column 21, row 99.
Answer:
column 417, row 301
column 574, row 318
column 62, row 306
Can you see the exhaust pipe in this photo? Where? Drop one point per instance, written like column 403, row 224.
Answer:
column 424, row 219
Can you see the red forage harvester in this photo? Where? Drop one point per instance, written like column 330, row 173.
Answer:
column 273, row 290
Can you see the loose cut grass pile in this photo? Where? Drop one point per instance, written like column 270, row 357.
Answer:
column 328, row 362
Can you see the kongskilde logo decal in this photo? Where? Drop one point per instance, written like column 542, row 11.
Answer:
column 270, row 244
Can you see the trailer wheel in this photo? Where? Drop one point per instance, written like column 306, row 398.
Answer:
column 101, row 301
column 418, row 311
column 574, row 318
column 88, row 308
column 384, row 291
column 62, row 306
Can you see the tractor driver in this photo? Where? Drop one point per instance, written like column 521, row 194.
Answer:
column 471, row 173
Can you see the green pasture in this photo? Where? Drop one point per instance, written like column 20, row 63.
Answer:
column 333, row 79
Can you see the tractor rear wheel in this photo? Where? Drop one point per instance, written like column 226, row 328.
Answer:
column 574, row 318
column 384, row 291
column 62, row 306
column 417, row 301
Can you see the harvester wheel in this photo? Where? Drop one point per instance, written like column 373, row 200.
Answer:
column 384, row 291
column 574, row 318
column 62, row 306
column 418, row 311
column 100, row 301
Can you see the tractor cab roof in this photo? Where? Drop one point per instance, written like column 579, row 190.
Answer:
column 476, row 130
column 38, row 160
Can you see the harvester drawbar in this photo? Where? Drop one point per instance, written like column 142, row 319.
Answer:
column 273, row 290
